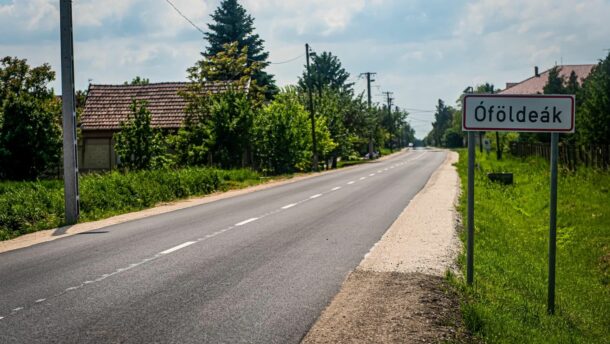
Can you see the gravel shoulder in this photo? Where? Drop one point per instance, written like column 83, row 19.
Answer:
column 398, row 293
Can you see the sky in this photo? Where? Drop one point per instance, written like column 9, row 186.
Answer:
column 421, row 50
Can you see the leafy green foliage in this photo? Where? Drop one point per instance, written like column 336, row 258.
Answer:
column 219, row 125
column 138, row 145
column 508, row 301
column 326, row 72
column 30, row 136
column 26, row 207
column 442, row 122
column 17, row 77
column 283, row 135
column 232, row 24
column 137, row 81
column 594, row 111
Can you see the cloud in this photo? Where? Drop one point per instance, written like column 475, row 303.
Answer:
column 323, row 17
column 422, row 50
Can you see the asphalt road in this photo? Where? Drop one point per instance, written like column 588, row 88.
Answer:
column 256, row 268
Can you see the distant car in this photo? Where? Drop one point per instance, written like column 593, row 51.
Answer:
column 410, row 145
column 374, row 156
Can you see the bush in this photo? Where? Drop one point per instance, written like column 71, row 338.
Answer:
column 27, row 207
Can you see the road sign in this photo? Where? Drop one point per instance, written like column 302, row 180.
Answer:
column 531, row 113
column 534, row 113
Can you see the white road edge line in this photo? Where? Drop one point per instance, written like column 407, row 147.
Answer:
column 289, row 206
column 315, row 196
column 371, row 175
column 40, row 300
column 246, row 221
column 350, row 183
column 362, row 178
column 176, row 248
column 335, row 188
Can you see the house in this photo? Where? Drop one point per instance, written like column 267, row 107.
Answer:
column 109, row 105
column 535, row 84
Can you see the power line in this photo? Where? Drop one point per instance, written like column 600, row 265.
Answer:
column 185, row 17
column 419, row 110
column 203, row 33
column 283, row 62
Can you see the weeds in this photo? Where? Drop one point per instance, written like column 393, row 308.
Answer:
column 27, row 207
column 508, row 301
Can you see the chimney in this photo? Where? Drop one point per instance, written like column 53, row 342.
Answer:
column 536, row 73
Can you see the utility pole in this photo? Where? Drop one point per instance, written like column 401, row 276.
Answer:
column 311, row 112
column 389, row 99
column 71, row 195
column 368, row 92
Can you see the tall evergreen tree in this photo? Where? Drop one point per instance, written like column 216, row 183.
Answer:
column 231, row 23
column 556, row 82
column 593, row 121
column 326, row 71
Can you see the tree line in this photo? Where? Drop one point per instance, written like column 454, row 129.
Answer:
column 592, row 111
column 251, row 123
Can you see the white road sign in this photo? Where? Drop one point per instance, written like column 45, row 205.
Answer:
column 541, row 113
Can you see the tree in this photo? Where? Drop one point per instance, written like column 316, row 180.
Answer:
column 220, row 109
column 282, row 135
column 594, row 113
column 556, row 82
column 232, row 24
column 138, row 145
column 443, row 118
column 30, row 135
column 30, row 138
column 16, row 77
column 326, row 72
column 137, row 81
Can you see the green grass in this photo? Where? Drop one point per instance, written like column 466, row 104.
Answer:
column 508, row 301
column 27, row 207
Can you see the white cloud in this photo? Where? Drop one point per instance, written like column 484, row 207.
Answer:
column 29, row 15
column 311, row 16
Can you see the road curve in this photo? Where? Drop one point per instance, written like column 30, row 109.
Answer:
column 256, row 268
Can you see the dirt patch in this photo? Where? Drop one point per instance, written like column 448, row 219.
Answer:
column 390, row 307
column 398, row 293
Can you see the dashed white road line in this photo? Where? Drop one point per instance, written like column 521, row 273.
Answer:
column 188, row 243
column 246, row 221
column 176, row 248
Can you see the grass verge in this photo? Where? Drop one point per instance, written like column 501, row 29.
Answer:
column 27, row 207
column 507, row 303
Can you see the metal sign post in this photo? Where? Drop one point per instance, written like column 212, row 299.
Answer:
column 521, row 113
column 470, row 244
column 553, row 224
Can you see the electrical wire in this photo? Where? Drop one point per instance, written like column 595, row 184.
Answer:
column 185, row 17
column 203, row 33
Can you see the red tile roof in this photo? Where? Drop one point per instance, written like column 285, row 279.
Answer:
column 535, row 84
column 108, row 105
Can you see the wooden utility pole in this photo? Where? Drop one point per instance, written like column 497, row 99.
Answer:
column 389, row 99
column 311, row 111
column 71, row 194
column 370, row 103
